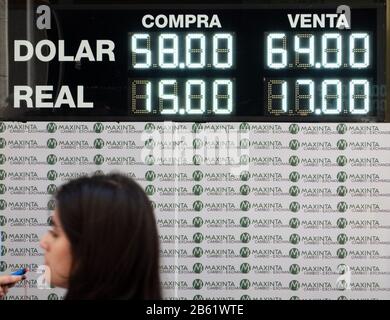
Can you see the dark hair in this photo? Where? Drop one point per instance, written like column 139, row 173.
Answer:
column 112, row 230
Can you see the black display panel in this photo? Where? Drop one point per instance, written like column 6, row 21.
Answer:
column 188, row 62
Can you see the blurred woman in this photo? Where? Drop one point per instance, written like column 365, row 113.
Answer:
column 104, row 241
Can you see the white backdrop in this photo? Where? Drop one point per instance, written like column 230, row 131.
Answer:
column 245, row 211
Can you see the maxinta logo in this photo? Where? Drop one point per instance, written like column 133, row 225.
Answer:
column 52, row 175
column 245, row 267
column 245, row 284
column 295, row 238
column 342, row 161
column 3, row 266
column 294, row 191
column 341, row 128
column 51, row 159
column 198, row 267
column 150, row 143
column 245, row 252
column 197, row 190
column 244, row 159
column 52, row 296
column 293, row 161
column 3, row 221
column 342, row 206
column 98, row 159
column 150, row 190
column 3, row 189
column 244, row 127
column 3, row 204
column 342, row 238
column 197, row 127
column 198, row 237
column 294, row 176
column 3, row 236
column 197, row 143
column 245, row 205
column 341, row 284
column 3, row 174
column 294, row 285
column 342, row 268
column 294, row 206
column 149, row 160
column 342, row 191
column 51, row 205
column 49, row 221
column 198, row 205
column 197, row 222
column 150, row 175
column 342, row 253
column 52, row 143
column 51, row 189
column 98, row 127
column 197, row 175
column 294, row 144
column 197, row 160
column 245, row 222
column 3, row 143
column 293, row 128
column 294, row 253
column 245, row 190
column 3, row 159
column 342, row 176
column 3, row 251
column 295, row 269
column 245, row 176
column 3, row 127
column 51, row 127
column 342, row 144
column 342, row 223
column 197, row 252
column 98, row 143
column 245, row 143
column 294, row 223
column 197, row 284
column 149, row 127
column 245, row 237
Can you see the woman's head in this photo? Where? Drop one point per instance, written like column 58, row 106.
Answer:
column 104, row 244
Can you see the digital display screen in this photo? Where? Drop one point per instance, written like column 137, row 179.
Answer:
column 242, row 62
column 200, row 54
